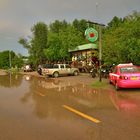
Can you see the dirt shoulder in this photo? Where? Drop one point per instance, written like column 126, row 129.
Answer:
column 3, row 72
column 83, row 78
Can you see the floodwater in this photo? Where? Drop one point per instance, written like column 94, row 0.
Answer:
column 33, row 108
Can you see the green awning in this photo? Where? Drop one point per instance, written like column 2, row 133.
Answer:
column 84, row 47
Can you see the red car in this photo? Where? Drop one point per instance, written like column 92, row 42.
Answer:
column 125, row 76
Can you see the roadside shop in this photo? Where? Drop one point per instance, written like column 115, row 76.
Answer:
column 84, row 56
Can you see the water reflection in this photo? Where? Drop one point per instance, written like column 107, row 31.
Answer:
column 39, row 102
column 50, row 94
column 123, row 101
column 10, row 80
column 27, row 77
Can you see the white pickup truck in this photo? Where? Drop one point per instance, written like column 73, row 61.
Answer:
column 59, row 69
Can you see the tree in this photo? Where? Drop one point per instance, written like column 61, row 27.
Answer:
column 37, row 44
column 17, row 61
column 80, row 25
column 25, row 44
column 7, row 57
column 4, row 60
column 121, row 42
column 115, row 22
column 57, row 26
column 53, row 51
column 61, row 38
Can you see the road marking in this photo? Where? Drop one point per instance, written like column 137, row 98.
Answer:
column 81, row 114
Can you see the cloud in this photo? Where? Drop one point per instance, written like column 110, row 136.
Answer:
column 18, row 16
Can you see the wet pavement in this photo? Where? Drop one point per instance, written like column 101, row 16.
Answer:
column 35, row 108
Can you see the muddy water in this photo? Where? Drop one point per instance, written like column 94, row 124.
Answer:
column 32, row 108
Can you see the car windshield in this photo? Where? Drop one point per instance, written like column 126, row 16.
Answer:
column 47, row 66
column 132, row 69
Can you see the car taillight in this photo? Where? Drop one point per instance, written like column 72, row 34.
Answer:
column 123, row 77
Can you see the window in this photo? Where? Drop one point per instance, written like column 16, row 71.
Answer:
column 62, row 66
column 68, row 66
column 47, row 66
column 55, row 66
column 130, row 70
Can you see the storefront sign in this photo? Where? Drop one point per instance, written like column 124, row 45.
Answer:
column 91, row 34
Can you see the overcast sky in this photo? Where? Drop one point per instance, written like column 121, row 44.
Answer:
column 18, row 16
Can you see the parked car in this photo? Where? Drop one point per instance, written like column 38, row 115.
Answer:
column 125, row 76
column 59, row 69
column 45, row 66
column 27, row 68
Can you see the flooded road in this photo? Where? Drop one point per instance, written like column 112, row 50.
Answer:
column 34, row 108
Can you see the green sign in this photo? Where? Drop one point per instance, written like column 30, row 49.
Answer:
column 91, row 34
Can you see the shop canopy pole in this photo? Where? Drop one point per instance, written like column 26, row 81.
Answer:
column 100, row 46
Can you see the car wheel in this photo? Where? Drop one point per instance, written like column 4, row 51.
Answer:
column 56, row 74
column 116, row 86
column 75, row 73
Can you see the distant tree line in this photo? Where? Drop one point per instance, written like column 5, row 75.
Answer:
column 10, row 59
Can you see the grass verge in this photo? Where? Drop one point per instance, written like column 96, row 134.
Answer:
column 103, row 84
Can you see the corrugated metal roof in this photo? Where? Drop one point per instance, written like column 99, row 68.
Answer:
column 84, row 47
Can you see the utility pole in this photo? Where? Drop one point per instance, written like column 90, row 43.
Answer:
column 100, row 53
column 100, row 46
column 10, row 60
column 10, row 68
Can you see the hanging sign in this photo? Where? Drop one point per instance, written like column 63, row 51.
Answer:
column 91, row 34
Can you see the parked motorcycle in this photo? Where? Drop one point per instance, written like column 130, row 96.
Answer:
column 93, row 72
column 105, row 72
column 39, row 70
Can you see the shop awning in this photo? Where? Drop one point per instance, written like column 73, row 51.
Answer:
column 84, row 47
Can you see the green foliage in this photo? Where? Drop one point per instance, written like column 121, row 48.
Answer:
column 17, row 61
column 100, row 84
column 4, row 59
column 9, row 56
column 57, row 26
column 80, row 25
column 62, row 37
column 115, row 22
column 121, row 41
column 25, row 44
column 53, row 51
column 37, row 44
